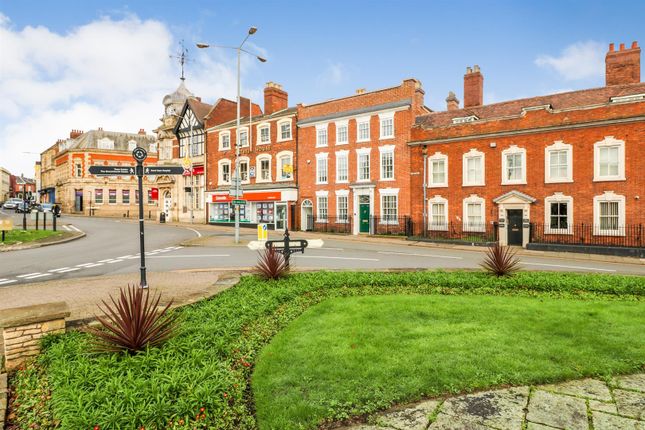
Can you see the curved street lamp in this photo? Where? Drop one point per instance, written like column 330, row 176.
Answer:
column 239, row 49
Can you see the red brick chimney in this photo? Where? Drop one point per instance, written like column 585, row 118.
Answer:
column 74, row 134
column 473, row 87
column 142, row 131
column 623, row 66
column 452, row 102
column 275, row 98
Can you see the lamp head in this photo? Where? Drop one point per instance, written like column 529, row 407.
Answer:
column 202, row 45
column 262, row 59
column 252, row 30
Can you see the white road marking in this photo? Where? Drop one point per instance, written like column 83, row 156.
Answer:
column 420, row 255
column 567, row 267
column 195, row 231
column 70, row 270
column 125, row 256
column 106, row 260
column 3, row 279
column 39, row 276
column 332, row 249
column 191, row 256
column 9, row 281
column 114, row 261
column 84, row 264
column 71, row 226
column 93, row 265
column 335, row 258
column 28, row 274
column 56, row 270
column 67, row 228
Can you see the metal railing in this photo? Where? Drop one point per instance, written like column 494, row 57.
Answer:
column 590, row 235
column 331, row 224
column 457, row 232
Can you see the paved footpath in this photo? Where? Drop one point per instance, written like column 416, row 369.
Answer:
column 587, row 404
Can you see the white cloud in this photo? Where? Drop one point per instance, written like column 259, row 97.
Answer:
column 110, row 73
column 582, row 60
column 333, row 74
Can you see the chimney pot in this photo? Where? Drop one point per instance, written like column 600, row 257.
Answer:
column 469, row 70
column 360, row 91
column 634, row 44
column 142, row 131
column 622, row 46
column 476, row 68
column 452, row 103
column 611, row 47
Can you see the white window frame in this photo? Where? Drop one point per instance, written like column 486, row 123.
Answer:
column 359, row 152
column 258, row 168
column 319, row 195
column 246, row 160
column 512, row 150
column 342, row 155
column 319, row 129
column 278, row 158
column 431, row 224
column 344, row 194
column 384, row 117
column 558, row 146
column 320, row 158
column 344, row 124
column 609, row 196
column 609, row 141
column 223, row 134
column 279, row 136
column 260, row 127
column 386, row 149
column 472, row 154
column 437, row 156
column 383, row 192
column 239, row 132
column 359, row 121
column 220, row 176
column 474, row 198
column 558, row 198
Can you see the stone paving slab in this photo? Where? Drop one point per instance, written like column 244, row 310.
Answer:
column 572, row 405
column 589, row 388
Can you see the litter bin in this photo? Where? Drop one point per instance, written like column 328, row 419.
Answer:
column 162, row 217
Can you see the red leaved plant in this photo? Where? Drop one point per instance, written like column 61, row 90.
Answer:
column 133, row 322
column 271, row 264
column 500, row 261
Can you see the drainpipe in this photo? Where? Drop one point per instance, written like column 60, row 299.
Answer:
column 425, row 189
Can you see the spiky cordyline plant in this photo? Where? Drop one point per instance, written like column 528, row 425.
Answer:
column 271, row 264
column 133, row 322
column 500, row 261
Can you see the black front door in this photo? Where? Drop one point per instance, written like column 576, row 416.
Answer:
column 514, row 227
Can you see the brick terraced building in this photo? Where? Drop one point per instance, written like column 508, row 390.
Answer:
column 354, row 161
column 565, row 168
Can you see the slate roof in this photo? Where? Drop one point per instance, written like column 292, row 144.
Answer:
column 89, row 139
column 561, row 101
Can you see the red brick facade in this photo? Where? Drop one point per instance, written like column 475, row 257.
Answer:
column 401, row 104
column 573, row 126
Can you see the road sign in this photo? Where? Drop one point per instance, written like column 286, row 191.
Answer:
column 163, row 170
column 112, row 170
column 263, row 232
column 239, row 202
column 139, row 154
column 6, row 224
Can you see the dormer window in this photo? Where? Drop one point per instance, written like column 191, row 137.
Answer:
column 131, row 145
column 105, row 143
column 465, row 119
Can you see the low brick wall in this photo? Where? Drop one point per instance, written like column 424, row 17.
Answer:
column 23, row 327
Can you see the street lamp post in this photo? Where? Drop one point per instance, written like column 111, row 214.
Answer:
column 237, row 178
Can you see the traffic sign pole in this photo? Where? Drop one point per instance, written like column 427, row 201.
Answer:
column 139, row 155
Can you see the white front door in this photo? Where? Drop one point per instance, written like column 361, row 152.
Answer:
column 167, row 205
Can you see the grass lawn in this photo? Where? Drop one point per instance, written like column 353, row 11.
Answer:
column 348, row 356
column 201, row 378
column 17, row 235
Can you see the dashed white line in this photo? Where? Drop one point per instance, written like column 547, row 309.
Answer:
column 4, row 279
column 567, row 267
column 324, row 248
column 191, row 256
column 67, row 228
column 74, row 228
column 114, row 261
column 125, row 256
column 420, row 255
column 84, row 264
column 9, row 281
column 28, row 274
column 93, row 265
column 195, row 231
column 38, row 276
column 72, row 269
column 106, row 260
column 56, row 270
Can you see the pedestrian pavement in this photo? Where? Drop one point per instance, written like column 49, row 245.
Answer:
column 587, row 404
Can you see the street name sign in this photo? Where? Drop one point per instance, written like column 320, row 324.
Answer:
column 239, row 202
column 112, row 170
column 163, row 170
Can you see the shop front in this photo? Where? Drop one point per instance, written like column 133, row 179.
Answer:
column 272, row 207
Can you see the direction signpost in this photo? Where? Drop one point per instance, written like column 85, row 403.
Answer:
column 139, row 155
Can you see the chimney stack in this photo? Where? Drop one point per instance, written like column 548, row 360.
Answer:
column 452, row 102
column 142, row 131
column 275, row 98
column 623, row 66
column 360, row 91
column 473, row 87
column 74, row 134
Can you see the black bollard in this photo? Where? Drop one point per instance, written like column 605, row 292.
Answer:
column 36, row 220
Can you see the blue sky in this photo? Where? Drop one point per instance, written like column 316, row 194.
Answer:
column 317, row 50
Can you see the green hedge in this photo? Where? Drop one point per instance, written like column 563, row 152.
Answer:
column 200, row 378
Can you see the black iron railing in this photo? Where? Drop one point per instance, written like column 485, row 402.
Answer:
column 457, row 232
column 331, row 224
column 590, row 235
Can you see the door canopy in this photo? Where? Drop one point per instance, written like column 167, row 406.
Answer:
column 514, row 196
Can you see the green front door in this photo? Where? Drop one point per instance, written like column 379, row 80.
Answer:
column 364, row 218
